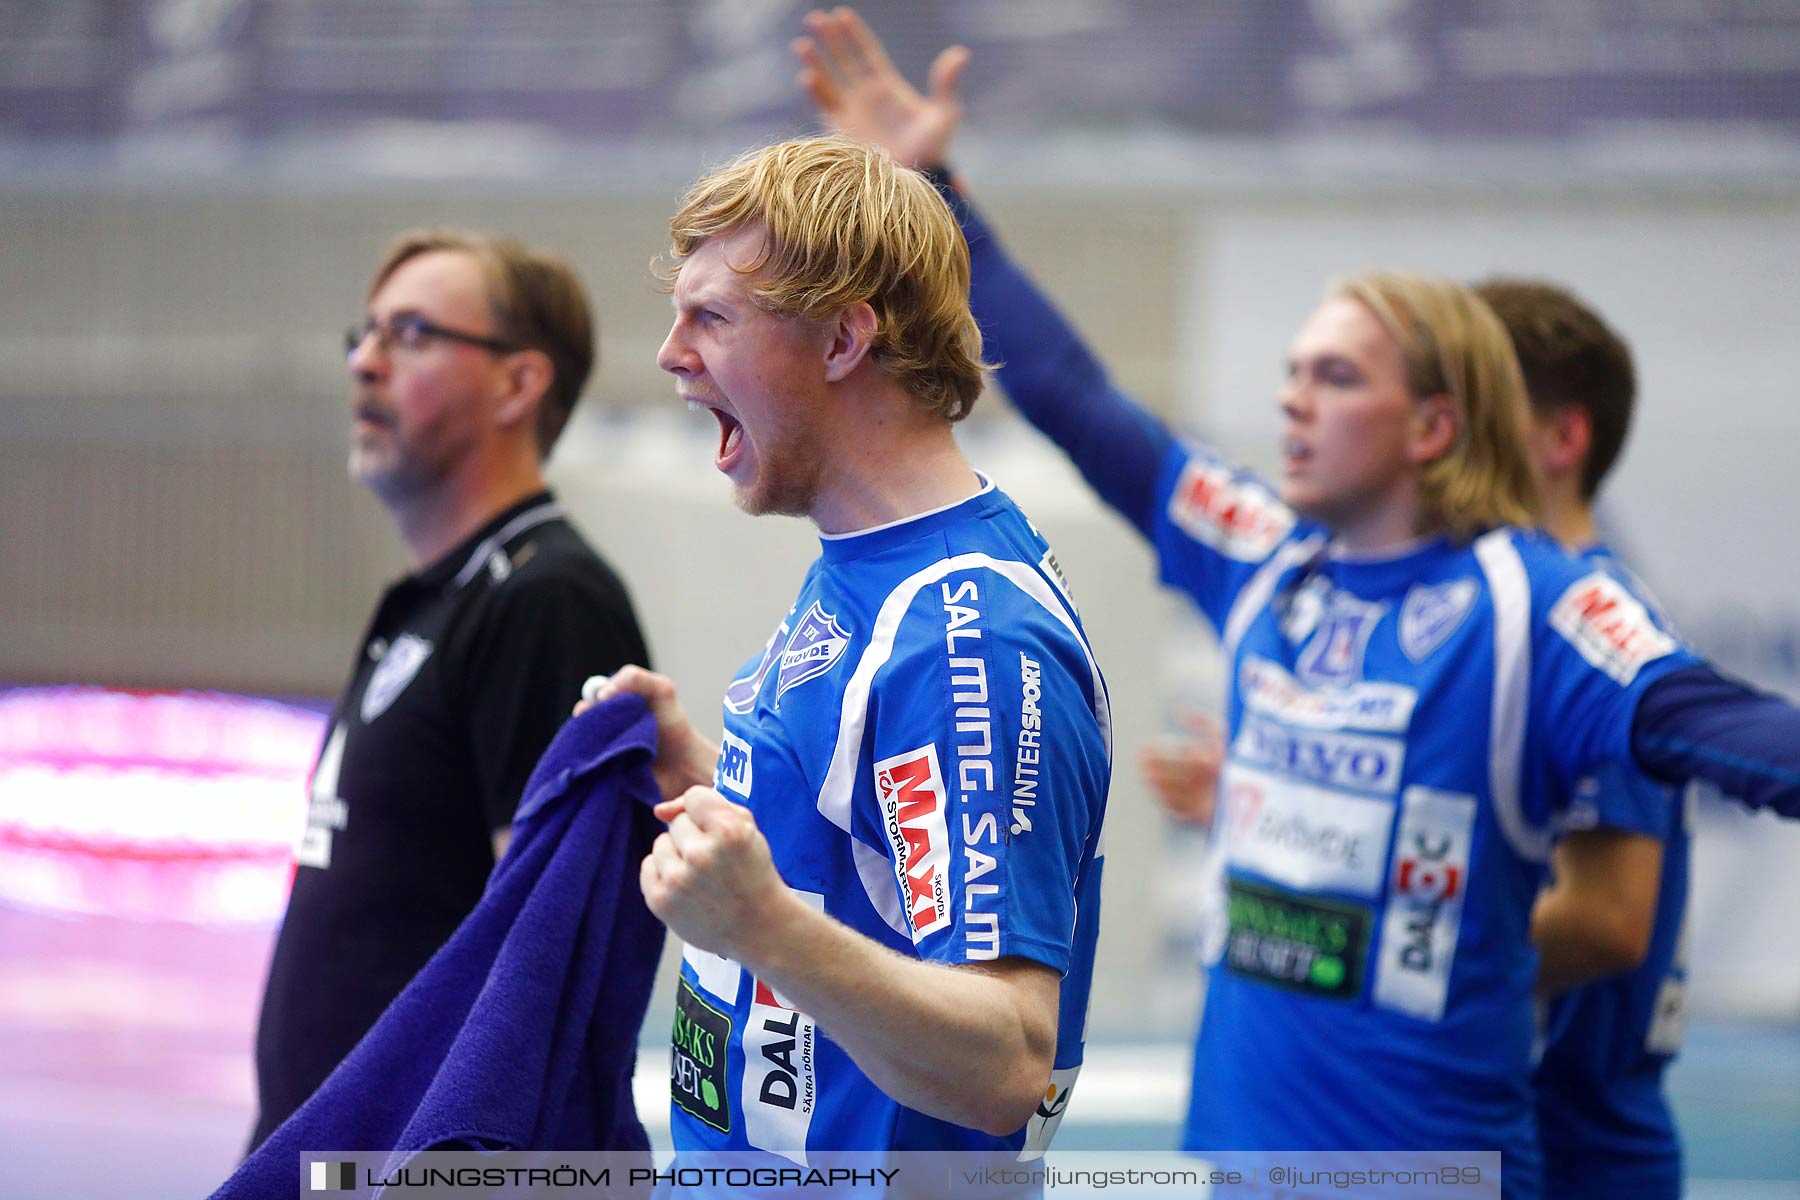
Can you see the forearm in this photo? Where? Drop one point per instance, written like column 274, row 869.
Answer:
column 966, row 1044
column 694, row 766
column 1054, row 379
column 1574, row 949
column 1597, row 919
column 1696, row 723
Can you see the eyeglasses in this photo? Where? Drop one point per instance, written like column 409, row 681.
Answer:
column 410, row 331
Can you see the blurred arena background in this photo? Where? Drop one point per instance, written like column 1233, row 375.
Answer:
column 192, row 193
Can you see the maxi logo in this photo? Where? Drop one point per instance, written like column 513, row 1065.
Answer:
column 1302, row 837
column 781, row 1086
column 1609, row 626
column 1297, row 942
column 740, row 696
column 1375, row 707
column 1238, row 517
column 1425, row 900
column 817, row 643
column 697, row 1058
column 1347, row 760
column 910, row 789
column 1333, row 655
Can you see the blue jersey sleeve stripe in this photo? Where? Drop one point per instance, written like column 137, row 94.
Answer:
column 877, row 875
column 1509, row 589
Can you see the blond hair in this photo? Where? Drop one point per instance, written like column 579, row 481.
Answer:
column 844, row 224
column 537, row 303
column 1452, row 344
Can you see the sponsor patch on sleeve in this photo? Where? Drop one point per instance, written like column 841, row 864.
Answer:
column 1043, row 1124
column 910, row 789
column 1238, row 517
column 1609, row 626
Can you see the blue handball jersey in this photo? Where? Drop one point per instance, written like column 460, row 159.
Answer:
column 1404, row 735
column 924, row 741
column 1603, row 1117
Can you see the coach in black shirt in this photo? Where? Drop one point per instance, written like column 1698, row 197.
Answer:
column 464, row 370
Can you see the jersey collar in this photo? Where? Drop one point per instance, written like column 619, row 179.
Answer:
column 461, row 564
column 836, row 547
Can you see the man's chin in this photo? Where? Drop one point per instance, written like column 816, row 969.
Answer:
column 376, row 473
column 365, row 469
column 763, row 501
column 1295, row 497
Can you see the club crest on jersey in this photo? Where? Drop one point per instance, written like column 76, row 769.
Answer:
column 740, row 697
column 1431, row 613
column 396, row 669
column 817, row 642
column 1333, row 655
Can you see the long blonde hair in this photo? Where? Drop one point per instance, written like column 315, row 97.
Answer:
column 1452, row 344
column 844, row 224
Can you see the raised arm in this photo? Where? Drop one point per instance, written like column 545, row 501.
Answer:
column 1051, row 376
column 1698, row 724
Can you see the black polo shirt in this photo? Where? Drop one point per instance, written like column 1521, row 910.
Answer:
column 465, row 674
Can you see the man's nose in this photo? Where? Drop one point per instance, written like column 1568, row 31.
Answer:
column 366, row 356
column 675, row 356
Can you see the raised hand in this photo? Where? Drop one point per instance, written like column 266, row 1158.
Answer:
column 1183, row 770
column 861, row 94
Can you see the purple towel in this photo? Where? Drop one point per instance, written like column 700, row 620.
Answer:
column 521, row 1032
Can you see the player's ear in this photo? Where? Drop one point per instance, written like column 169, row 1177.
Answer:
column 1436, row 426
column 1574, row 433
column 852, row 334
column 529, row 374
